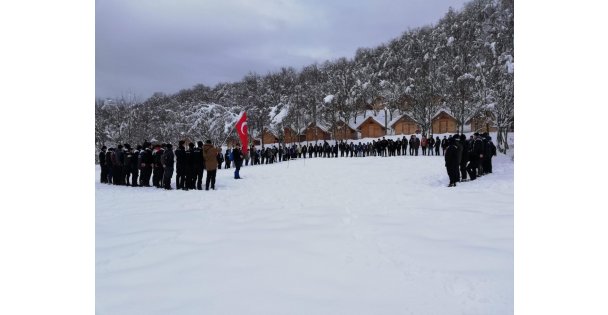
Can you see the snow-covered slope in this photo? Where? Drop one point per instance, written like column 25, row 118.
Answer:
column 365, row 235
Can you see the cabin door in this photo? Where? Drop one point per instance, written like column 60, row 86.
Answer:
column 443, row 126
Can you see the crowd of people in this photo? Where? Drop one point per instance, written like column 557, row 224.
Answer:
column 125, row 165
column 472, row 157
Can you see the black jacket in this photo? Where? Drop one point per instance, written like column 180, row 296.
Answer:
column 168, row 159
column 102, row 158
column 237, row 155
column 180, row 158
column 451, row 156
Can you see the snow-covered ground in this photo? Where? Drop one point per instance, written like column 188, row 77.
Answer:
column 365, row 235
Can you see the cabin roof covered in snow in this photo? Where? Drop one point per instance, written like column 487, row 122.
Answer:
column 443, row 110
column 397, row 118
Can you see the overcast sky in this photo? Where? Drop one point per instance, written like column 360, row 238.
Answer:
column 142, row 47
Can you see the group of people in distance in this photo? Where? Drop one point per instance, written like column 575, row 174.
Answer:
column 129, row 166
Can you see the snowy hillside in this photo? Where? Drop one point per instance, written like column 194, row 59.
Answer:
column 317, row 236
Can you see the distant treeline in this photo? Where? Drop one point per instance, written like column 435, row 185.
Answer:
column 464, row 64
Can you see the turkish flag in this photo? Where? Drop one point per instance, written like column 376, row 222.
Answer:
column 241, row 130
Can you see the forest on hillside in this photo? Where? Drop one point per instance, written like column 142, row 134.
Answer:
column 464, row 64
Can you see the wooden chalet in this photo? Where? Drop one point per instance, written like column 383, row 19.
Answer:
column 443, row 122
column 482, row 122
column 290, row 135
column 269, row 137
column 405, row 125
column 315, row 133
column 342, row 131
column 371, row 128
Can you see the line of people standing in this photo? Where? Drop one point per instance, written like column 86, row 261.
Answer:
column 135, row 167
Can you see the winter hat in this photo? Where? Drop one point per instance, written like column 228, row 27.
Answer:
column 169, row 146
column 200, row 143
column 104, row 148
column 181, row 142
column 191, row 145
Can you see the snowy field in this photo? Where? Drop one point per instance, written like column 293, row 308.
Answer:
column 317, row 236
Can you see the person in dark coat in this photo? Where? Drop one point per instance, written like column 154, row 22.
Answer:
column 109, row 164
column 167, row 160
column 451, row 161
column 220, row 159
column 237, row 155
column 210, row 154
column 404, row 146
column 117, row 164
column 444, row 144
column 437, row 145
column 198, row 165
column 487, row 153
column 181, row 165
column 227, row 159
column 103, row 177
column 475, row 153
column 492, row 153
column 431, row 143
column 464, row 158
column 134, row 167
column 416, row 145
column 129, row 156
column 190, row 166
column 158, row 171
column 146, row 164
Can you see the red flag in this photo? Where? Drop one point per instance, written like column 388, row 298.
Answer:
column 241, row 130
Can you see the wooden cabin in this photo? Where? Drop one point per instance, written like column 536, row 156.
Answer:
column 370, row 128
column 314, row 133
column 342, row 131
column 290, row 135
column 444, row 123
column 482, row 122
column 405, row 126
column 269, row 137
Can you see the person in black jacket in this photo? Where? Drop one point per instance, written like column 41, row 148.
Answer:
column 227, row 159
column 451, row 161
column 128, row 161
column 487, row 153
column 464, row 158
column 134, row 167
column 437, row 145
column 492, row 153
column 475, row 153
column 180, row 158
column 109, row 164
column 167, row 160
column 190, row 166
column 103, row 177
column 146, row 164
column 237, row 155
column 198, row 165
column 220, row 158
column 158, row 170
column 117, row 163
